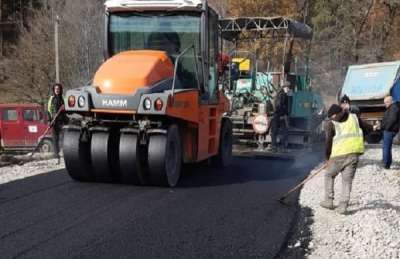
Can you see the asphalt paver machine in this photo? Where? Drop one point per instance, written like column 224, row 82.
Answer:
column 154, row 104
column 252, row 90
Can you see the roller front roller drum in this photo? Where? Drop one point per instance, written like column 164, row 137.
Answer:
column 130, row 160
column 165, row 158
column 104, row 154
column 77, row 156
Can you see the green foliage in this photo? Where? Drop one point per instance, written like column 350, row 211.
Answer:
column 346, row 32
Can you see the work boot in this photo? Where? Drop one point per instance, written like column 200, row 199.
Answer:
column 342, row 208
column 327, row 204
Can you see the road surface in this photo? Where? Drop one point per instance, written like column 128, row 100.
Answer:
column 230, row 213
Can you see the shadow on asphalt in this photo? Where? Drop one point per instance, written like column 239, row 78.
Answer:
column 242, row 170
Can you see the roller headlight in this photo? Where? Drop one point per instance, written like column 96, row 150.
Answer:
column 147, row 104
column 81, row 101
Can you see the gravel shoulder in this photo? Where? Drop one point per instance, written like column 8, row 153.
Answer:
column 372, row 227
column 17, row 172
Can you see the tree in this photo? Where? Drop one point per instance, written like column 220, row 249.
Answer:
column 351, row 32
column 31, row 71
column 82, row 36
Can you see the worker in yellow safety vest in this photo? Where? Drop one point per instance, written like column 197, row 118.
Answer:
column 344, row 145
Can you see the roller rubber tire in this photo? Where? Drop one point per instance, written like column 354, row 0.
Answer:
column 132, row 170
column 104, row 154
column 77, row 157
column 165, row 158
column 224, row 157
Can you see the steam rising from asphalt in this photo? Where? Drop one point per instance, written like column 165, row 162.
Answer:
column 306, row 160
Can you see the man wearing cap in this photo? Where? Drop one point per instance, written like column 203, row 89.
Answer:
column 279, row 120
column 345, row 104
column 344, row 145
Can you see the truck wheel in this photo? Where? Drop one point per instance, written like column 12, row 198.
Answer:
column 104, row 155
column 132, row 171
column 46, row 146
column 224, row 157
column 77, row 156
column 165, row 158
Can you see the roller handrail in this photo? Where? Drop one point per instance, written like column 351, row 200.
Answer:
column 177, row 64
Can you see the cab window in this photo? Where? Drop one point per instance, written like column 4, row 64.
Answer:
column 172, row 32
column 31, row 115
column 10, row 115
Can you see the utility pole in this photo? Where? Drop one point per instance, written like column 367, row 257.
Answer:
column 56, row 48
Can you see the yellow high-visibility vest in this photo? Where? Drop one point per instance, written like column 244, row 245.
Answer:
column 349, row 138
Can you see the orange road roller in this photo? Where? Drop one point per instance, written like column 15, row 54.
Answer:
column 154, row 104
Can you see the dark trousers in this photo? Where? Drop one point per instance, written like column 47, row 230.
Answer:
column 387, row 148
column 278, row 126
column 56, row 140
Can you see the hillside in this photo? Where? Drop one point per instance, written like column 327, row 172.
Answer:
column 345, row 33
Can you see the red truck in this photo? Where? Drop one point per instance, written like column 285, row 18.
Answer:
column 22, row 126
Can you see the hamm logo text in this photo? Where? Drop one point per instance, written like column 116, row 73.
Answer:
column 115, row 103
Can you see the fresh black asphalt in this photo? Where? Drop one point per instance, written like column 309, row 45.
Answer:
column 230, row 213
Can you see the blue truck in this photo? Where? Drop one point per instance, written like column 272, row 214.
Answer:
column 367, row 85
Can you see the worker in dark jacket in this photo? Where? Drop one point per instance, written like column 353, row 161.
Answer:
column 390, row 127
column 56, row 104
column 344, row 145
column 279, row 122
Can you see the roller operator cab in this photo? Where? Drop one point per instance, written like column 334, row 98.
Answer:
column 154, row 103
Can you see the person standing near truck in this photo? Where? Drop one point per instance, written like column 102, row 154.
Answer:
column 344, row 144
column 55, row 104
column 390, row 127
column 279, row 122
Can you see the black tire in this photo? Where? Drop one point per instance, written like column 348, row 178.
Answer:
column 165, row 158
column 224, row 157
column 77, row 157
column 132, row 170
column 104, row 155
column 46, row 146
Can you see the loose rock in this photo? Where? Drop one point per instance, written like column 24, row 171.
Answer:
column 371, row 228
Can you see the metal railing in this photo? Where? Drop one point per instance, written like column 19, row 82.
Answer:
column 178, row 58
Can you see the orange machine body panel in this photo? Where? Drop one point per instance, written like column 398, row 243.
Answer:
column 207, row 117
column 128, row 71
column 184, row 105
column 113, row 111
